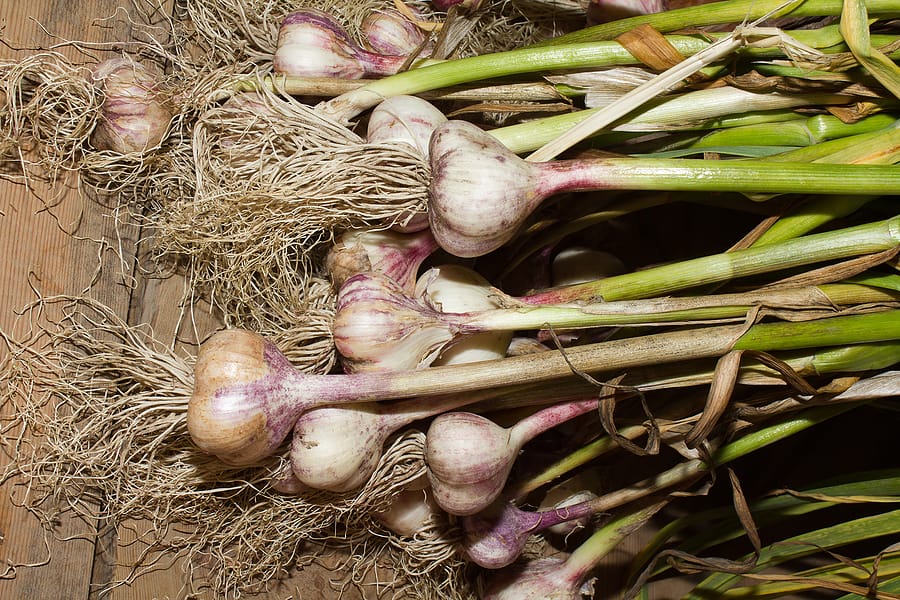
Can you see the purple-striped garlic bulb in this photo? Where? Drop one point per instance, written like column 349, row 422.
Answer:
column 135, row 115
column 312, row 43
column 393, row 254
column 378, row 327
column 390, row 32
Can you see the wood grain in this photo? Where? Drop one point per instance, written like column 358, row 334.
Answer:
column 51, row 251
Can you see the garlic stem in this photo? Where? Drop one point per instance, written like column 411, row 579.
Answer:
column 665, row 279
column 513, row 526
column 379, row 327
column 247, row 396
column 488, row 66
column 481, row 193
column 715, row 13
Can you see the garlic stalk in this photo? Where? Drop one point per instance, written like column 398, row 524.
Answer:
column 377, row 326
column 481, row 194
column 134, row 116
column 337, row 448
column 247, row 396
column 566, row 579
column 497, row 536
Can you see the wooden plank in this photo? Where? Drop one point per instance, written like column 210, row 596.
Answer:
column 52, row 249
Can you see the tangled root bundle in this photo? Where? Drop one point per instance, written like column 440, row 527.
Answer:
column 241, row 32
column 98, row 414
column 273, row 182
column 47, row 115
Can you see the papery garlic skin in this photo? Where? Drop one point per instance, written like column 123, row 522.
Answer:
column 134, row 116
column 377, row 327
column 445, row 5
column 604, row 11
column 311, row 43
column 390, row 32
column 459, row 289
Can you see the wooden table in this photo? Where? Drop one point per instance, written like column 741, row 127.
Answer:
column 43, row 254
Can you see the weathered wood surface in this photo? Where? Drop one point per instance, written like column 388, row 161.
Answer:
column 53, row 250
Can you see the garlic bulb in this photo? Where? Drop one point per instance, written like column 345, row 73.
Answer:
column 579, row 264
column 134, row 116
column 480, row 192
column 538, row 579
column 388, row 31
column 338, row 448
column 496, row 536
column 393, row 254
column 239, row 410
column 407, row 119
column 377, row 327
column 468, row 457
column 410, row 120
column 603, row 11
column 409, row 512
column 312, row 43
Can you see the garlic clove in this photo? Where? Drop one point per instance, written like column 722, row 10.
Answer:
column 312, row 43
column 538, row 579
column 337, row 448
